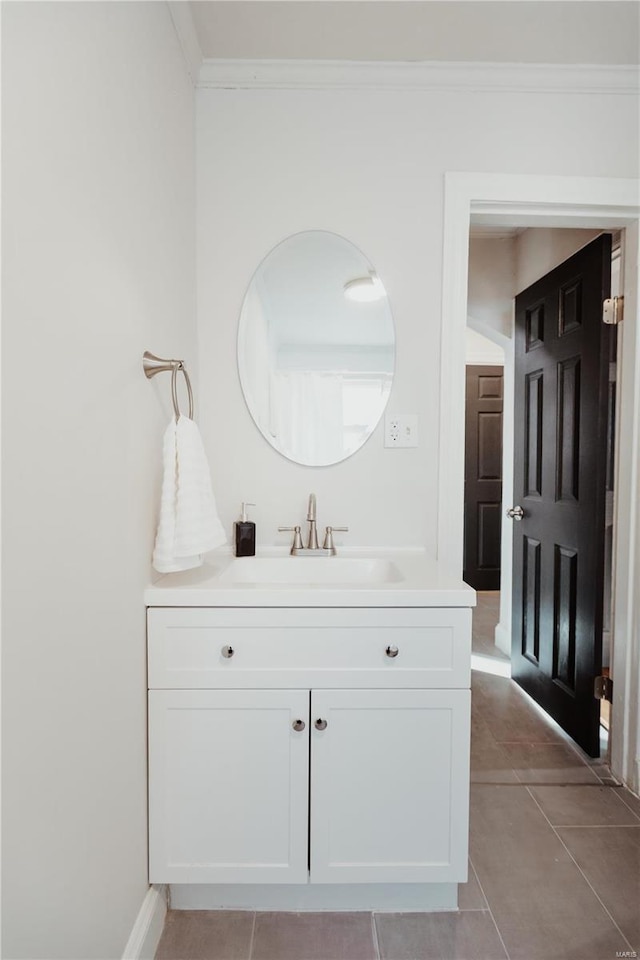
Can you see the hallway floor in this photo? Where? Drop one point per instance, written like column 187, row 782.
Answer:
column 554, row 868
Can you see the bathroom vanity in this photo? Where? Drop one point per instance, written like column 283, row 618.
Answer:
column 309, row 727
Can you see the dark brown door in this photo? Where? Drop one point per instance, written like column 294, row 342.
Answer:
column 483, row 477
column 561, row 389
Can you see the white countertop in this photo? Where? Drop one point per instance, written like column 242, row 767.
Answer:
column 416, row 581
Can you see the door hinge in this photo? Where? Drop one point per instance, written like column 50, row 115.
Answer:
column 603, row 688
column 613, row 310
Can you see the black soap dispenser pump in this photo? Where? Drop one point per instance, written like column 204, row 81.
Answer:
column 245, row 533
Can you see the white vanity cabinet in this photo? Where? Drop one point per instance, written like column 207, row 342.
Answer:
column 228, row 786
column 308, row 745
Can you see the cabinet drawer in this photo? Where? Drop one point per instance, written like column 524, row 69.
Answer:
column 296, row 648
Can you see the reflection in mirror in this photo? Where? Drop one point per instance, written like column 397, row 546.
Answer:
column 316, row 348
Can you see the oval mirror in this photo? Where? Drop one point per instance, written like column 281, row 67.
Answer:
column 316, row 348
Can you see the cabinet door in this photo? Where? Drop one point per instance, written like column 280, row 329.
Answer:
column 389, row 785
column 228, row 786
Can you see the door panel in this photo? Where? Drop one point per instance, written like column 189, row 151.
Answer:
column 228, row 786
column 483, row 477
column 389, row 784
column 561, row 401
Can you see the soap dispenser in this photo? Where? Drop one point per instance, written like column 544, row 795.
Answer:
column 245, row 534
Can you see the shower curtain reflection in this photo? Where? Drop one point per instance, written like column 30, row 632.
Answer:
column 307, row 418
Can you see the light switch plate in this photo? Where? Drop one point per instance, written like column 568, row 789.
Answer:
column 401, row 430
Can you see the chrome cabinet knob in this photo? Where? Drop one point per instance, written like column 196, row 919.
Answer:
column 320, row 724
column 392, row 650
column 298, row 725
column 515, row 513
column 228, row 652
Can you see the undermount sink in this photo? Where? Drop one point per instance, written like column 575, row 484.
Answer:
column 337, row 571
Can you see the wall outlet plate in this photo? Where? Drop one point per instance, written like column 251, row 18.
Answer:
column 401, row 430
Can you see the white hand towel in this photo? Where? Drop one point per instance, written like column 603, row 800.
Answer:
column 189, row 524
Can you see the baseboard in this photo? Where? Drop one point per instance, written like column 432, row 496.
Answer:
column 502, row 640
column 147, row 930
column 302, row 897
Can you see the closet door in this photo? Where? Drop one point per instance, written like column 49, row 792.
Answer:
column 389, row 785
column 228, row 786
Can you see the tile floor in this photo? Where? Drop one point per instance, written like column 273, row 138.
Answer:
column 554, row 860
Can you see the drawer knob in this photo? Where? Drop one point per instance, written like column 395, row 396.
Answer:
column 320, row 724
column 298, row 725
column 392, row 651
column 228, row 652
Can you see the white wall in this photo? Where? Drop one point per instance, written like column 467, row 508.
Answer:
column 481, row 350
column 99, row 260
column 492, row 269
column 539, row 250
column 368, row 165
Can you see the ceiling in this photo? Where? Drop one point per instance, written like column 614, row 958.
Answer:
column 510, row 31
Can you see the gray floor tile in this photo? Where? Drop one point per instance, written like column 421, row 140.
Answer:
column 602, row 771
column 206, row 935
column 489, row 762
column 631, row 801
column 584, row 806
column 610, row 858
column 313, row 936
column 507, row 713
column 542, row 904
column 470, row 896
column 548, row 763
column 438, row 936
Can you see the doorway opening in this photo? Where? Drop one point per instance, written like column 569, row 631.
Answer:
column 553, row 201
column 502, row 262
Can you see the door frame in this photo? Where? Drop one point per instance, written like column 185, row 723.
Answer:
column 589, row 202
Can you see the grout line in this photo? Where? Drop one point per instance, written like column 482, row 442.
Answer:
column 596, row 826
column 473, row 870
column 535, row 743
column 628, row 805
column 586, row 878
column 374, row 933
column 253, row 933
column 489, row 910
column 541, row 783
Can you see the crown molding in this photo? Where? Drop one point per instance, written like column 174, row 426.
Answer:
column 441, row 76
column 188, row 38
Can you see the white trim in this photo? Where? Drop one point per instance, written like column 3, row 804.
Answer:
column 572, row 198
column 502, row 639
column 186, row 30
column 147, row 930
column 476, row 358
column 625, row 663
column 433, row 75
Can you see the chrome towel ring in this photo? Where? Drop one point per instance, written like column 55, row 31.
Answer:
column 153, row 365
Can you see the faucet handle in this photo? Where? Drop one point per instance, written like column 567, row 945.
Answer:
column 297, row 537
column 328, row 537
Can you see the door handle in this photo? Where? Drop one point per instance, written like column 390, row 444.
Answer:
column 515, row 513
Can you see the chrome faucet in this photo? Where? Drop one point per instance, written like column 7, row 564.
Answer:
column 312, row 540
column 312, row 548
